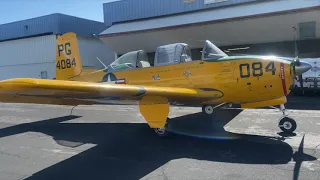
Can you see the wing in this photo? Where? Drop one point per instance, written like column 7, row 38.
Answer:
column 153, row 100
column 43, row 91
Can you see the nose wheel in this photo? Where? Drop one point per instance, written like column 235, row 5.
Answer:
column 286, row 124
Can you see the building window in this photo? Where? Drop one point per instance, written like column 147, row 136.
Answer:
column 307, row 30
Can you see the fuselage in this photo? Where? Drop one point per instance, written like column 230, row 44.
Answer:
column 241, row 79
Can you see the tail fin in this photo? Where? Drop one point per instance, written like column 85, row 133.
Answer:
column 68, row 62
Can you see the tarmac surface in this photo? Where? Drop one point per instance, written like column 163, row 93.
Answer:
column 114, row 142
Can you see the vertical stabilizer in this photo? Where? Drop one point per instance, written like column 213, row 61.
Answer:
column 68, row 62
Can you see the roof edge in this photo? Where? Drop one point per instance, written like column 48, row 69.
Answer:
column 284, row 12
column 189, row 12
column 26, row 37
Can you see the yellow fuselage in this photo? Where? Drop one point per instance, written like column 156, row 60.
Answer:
column 264, row 81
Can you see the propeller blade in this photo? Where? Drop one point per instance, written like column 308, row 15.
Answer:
column 300, row 81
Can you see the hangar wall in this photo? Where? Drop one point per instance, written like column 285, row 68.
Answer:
column 28, row 47
column 141, row 9
column 266, row 26
column 28, row 57
column 35, row 57
column 90, row 49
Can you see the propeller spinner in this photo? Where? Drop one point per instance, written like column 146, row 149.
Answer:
column 301, row 66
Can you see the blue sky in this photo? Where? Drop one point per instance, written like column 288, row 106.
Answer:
column 15, row 10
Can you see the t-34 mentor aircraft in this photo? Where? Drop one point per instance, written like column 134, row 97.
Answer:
column 215, row 79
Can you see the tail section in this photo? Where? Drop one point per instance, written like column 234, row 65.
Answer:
column 68, row 62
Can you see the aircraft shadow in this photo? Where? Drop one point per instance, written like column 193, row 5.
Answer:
column 132, row 150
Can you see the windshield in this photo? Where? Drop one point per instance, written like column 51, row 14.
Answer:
column 126, row 61
column 211, row 51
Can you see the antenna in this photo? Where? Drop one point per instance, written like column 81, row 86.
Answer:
column 102, row 63
column 105, row 67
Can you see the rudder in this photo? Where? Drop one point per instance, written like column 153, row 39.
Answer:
column 68, row 62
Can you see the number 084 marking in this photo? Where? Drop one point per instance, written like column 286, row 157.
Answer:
column 256, row 69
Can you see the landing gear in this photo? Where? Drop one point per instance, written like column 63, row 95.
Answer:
column 284, row 111
column 162, row 132
column 286, row 124
column 207, row 109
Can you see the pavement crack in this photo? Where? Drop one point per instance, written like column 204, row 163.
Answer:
column 14, row 155
column 315, row 149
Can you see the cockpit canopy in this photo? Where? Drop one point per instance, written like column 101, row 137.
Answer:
column 165, row 55
column 130, row 60
column 211, row 51
column 172, row 54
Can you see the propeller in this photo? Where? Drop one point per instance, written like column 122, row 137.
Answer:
column 296, row 63
column 300, row 67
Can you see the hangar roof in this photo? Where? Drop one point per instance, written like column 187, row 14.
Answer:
column 266, row 22
column 204, row 16
column 50, row 24
column 128, row 10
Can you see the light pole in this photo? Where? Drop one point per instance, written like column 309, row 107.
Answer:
column 295, row 42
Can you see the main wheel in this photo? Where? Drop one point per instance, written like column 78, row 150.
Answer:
column 162, row 132
column 207, row 109
column 287, row 125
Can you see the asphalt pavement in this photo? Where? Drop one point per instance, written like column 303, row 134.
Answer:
column 114, row 142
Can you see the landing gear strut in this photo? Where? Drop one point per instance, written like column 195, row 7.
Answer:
column 208, row 109
column 286, row 124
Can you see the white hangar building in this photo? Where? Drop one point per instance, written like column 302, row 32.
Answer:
column 28, row 47
column 268, row 27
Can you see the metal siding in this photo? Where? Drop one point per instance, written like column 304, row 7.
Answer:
column 36, row 50
column 54, row 23
column 39, row 25
column 209, row 15
column 27, row 71
column 91, row 48
column 38, row 54
column 127, row 10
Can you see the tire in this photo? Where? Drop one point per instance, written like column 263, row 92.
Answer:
column 162, row 132
column 207, row 109
column 287, row 125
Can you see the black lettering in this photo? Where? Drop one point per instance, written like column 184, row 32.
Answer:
column 74, row 62
column 68, row 51
column 60, row 48
column 68, row 63
column 58, row 65
column 257, row 66
column 272, row 68
column 63, row 64
column 241, row 70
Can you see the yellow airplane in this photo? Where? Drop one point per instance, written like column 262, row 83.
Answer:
column 174, row 79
